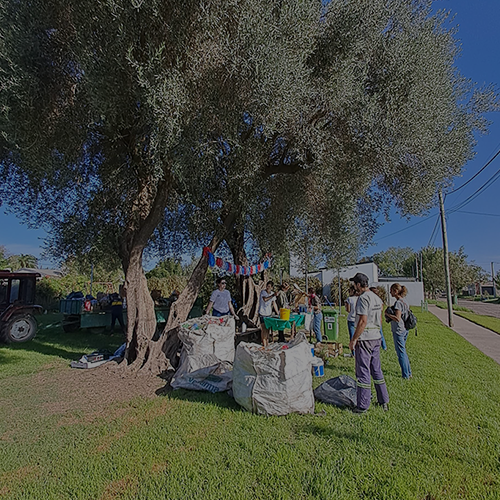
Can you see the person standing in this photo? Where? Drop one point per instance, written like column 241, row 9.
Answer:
column 366, row 345
column 382, row 338
column 220, row 300
column 281, row 303
column 267, row 302
column 397, row 314
column 315, row 308
column 350, row 307
column 117, row 312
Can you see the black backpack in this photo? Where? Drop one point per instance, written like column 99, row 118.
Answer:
column 410, row 321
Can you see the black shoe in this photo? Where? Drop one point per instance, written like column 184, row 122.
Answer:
column 385, row 406
column 359, row 411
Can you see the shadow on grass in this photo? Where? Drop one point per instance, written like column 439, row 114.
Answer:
column 8, row 357
column 220, row 399
column 69, row 346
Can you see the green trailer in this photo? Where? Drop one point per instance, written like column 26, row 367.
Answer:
column 75, row 317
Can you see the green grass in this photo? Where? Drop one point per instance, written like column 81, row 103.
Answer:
column 444, row 305
column 487, row 321
column 440, row 439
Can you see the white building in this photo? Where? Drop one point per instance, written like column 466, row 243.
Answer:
column 327, row 276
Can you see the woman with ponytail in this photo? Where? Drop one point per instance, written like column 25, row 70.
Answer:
column 397, row 314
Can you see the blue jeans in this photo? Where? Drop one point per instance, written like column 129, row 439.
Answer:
column 351, row 328
column 384, row 343
column 218, row 314
column 404, row 362
column 317, row 317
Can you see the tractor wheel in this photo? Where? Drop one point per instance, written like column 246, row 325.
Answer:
column 20, row 328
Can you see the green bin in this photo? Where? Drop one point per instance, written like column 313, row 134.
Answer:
column 331, row 324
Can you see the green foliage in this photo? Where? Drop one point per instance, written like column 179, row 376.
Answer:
column 166, row 268
column 395, row 261
column 167, row 284
column 462, row 272
column 15, row 262
column 201, row 443
column 120, row 122
column 76, row 277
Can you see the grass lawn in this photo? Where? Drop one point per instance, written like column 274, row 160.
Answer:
column 444, row 305
column 487, row 321
column 439, row 440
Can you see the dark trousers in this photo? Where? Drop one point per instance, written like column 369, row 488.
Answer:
column 117, row 315
column 367, row 355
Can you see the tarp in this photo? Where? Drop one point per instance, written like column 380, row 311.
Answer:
column 207, row 354
column 275, row 323
column 339, row 391
column 274, row 380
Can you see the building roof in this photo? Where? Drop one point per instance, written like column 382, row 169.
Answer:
column 44, row 273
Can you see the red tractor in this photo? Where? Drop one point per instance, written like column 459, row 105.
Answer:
column 17, row 306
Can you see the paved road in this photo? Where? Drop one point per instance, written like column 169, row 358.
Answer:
column 485, row 340
column 481, row 308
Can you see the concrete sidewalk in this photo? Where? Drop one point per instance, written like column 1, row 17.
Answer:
column 485, row 340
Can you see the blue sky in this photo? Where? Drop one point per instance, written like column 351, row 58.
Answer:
column 480, row 39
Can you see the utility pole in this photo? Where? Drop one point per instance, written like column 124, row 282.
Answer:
column 446, row 260
column 340, row 294
column 421, row 268
column 493, row 281
column 416, row 268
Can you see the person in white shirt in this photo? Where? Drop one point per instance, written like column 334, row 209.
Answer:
column 366, row 344
column 267, row 302
column 220, row 300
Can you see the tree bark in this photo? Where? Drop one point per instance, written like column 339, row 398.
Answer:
column 249, row 291
column 141, row 318
column 163, row 355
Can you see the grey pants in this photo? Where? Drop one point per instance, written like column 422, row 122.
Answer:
column 367, row 355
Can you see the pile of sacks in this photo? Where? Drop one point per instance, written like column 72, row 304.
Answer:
column 272, row 380
column 207, row 354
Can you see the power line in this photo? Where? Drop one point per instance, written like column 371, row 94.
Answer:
column 477, row 192
column 476, row 213
column 405, row 228
column 475, row 175
column 431, row 243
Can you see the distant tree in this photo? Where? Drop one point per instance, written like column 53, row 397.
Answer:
column 394, row 261
column 462, row 272
column 22, row 260
column 3, row 257
column 165, row 268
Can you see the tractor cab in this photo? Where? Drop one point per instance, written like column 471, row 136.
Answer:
column 17, row 306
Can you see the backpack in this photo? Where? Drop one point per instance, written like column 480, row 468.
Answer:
column 410, row 321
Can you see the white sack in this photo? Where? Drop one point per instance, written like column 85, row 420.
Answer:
column 215, row 378
column 274, row 380
column 207, row 352
column 308, row 322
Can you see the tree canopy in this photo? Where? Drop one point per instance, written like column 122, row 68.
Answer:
column 202, row 121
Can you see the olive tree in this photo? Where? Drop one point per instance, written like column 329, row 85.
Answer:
column 238, row 117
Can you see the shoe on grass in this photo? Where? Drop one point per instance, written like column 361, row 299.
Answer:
column 385, row 407
column 359, row 411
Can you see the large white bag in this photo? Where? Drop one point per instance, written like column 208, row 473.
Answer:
column 207, row 354
column 276, row 380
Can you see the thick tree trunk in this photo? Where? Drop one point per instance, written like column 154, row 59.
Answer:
column 141, row 318
column 248, row 290
column 163, row 356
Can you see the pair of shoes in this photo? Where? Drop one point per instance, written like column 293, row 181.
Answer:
column 359, row 411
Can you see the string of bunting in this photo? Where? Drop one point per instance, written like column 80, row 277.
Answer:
column 233, row 268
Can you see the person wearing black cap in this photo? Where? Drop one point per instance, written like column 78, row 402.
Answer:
column 366, row 346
